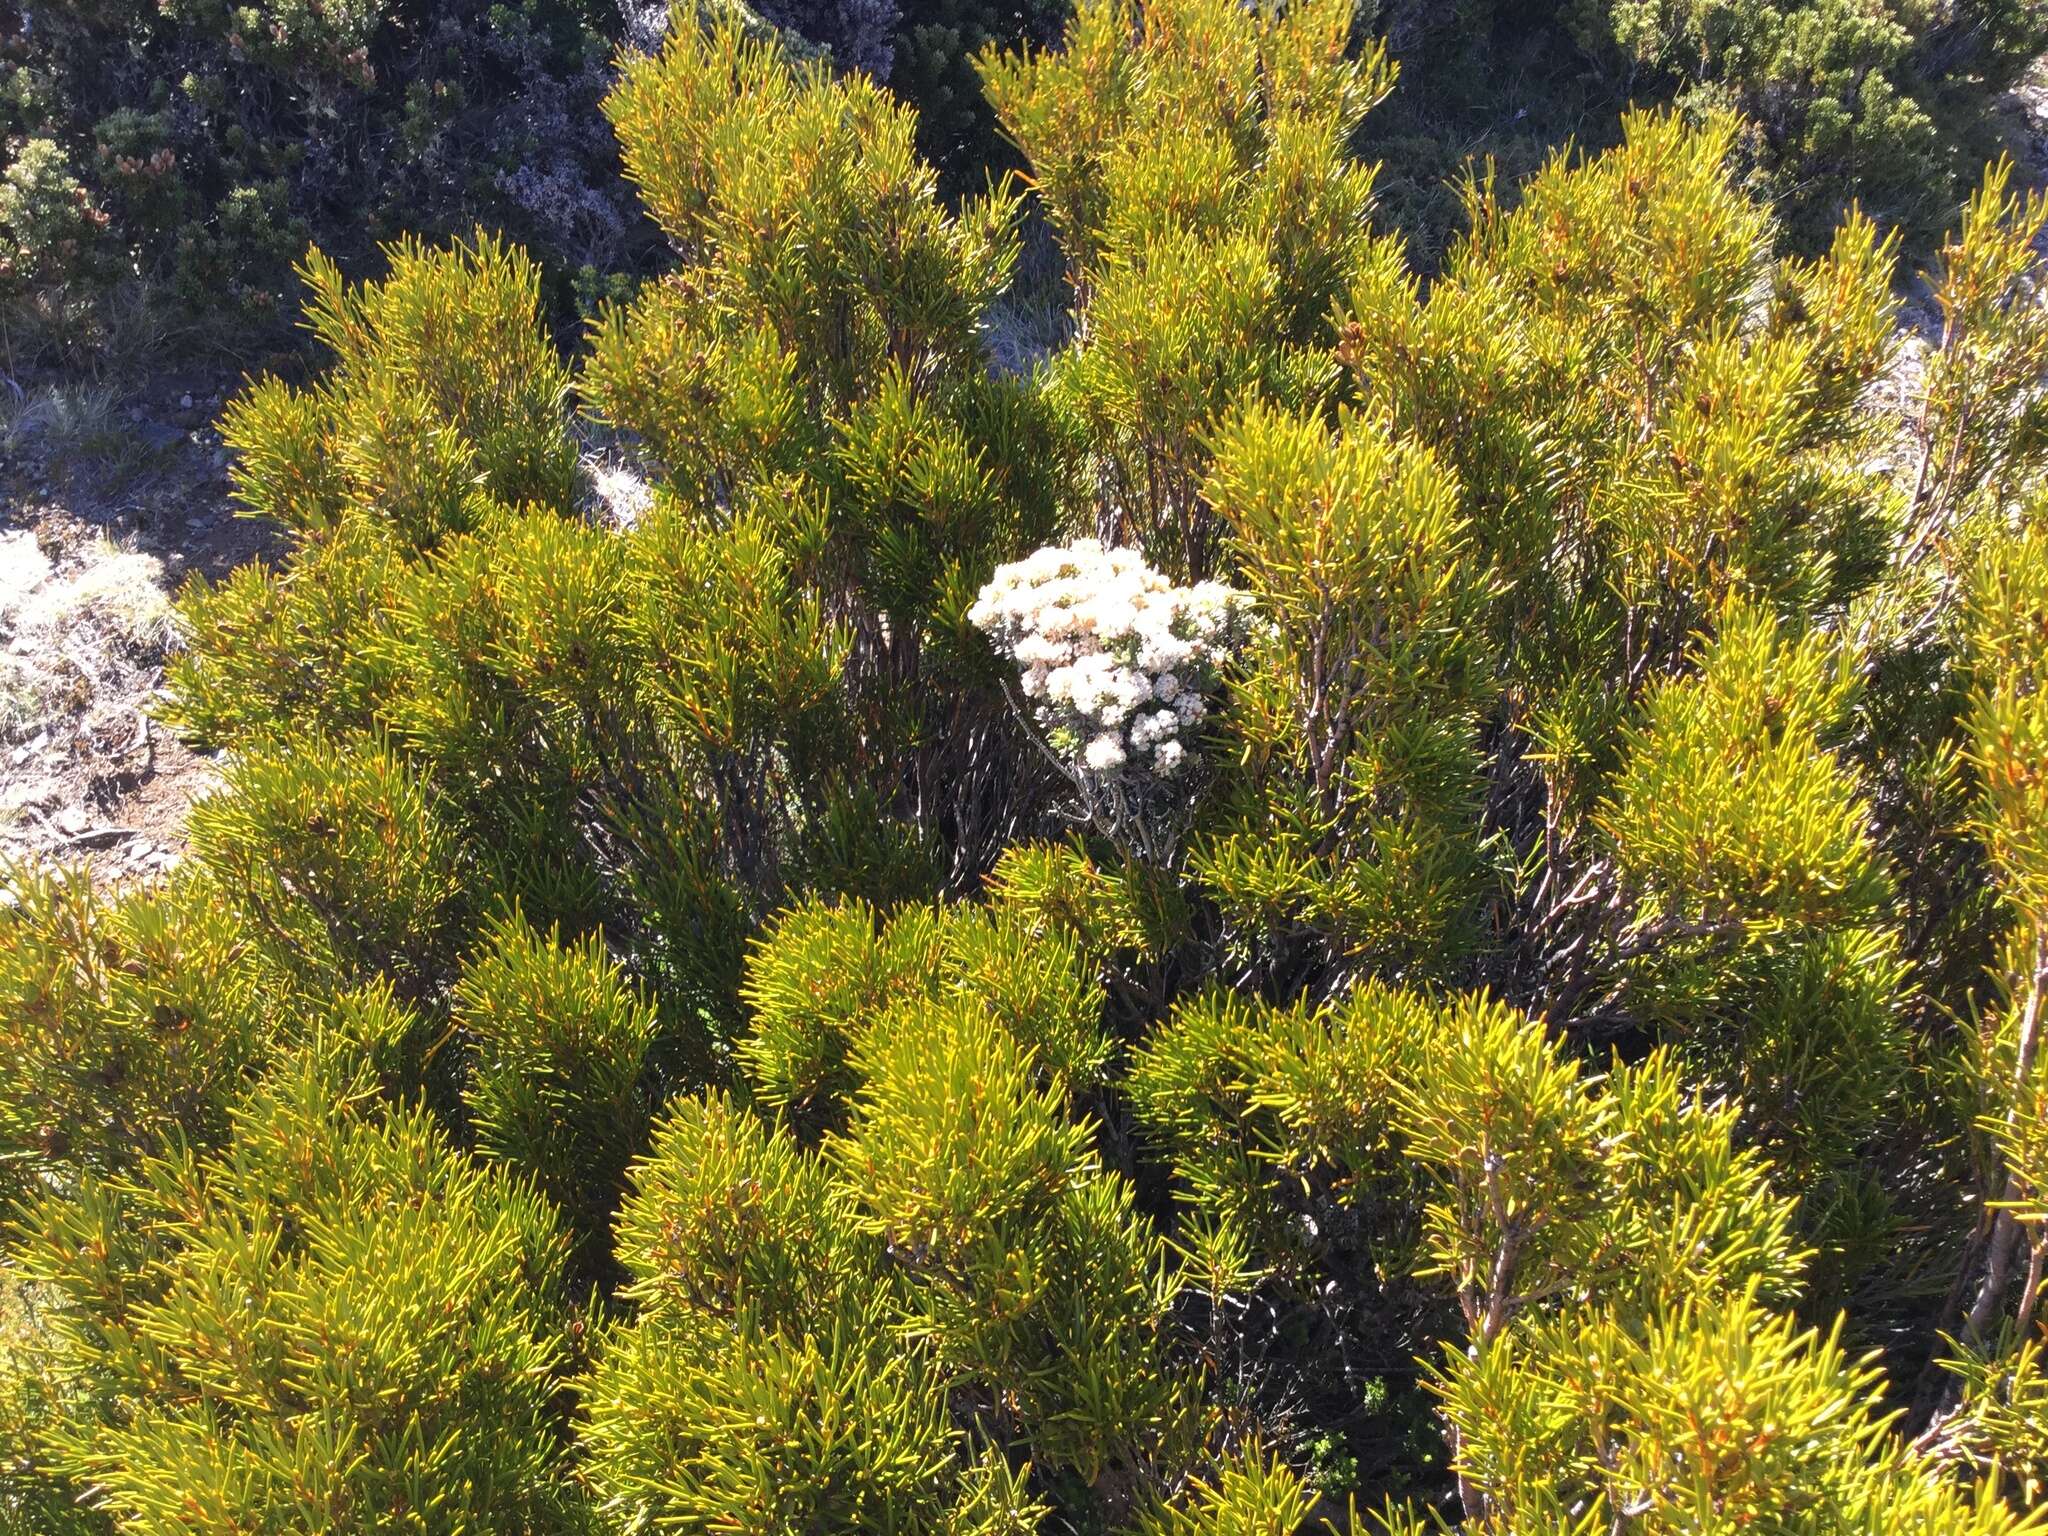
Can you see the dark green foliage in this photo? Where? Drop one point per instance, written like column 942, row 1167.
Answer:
column 174, row 160
column 189, row 152
column 51, row 226
column 1848, row 104
column 937, row 42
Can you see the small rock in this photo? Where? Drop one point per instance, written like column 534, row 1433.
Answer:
column 23, row 567
column 184, row 402
column 71, row 820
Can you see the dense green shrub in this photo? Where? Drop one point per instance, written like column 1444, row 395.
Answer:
column 829, row 973
column 557, row 1087
column 671, row 1023
column 336, row 855
column 194, row 147
column 126, row 1027
column 1848, row 103
column 191, row 150
column 700, row 1428
column 932, row 68
column 305, row 1330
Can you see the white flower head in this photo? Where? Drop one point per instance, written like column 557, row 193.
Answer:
column 1105, row 753
column 1113, row 660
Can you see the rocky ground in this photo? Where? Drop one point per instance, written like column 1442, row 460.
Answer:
column 108, row 501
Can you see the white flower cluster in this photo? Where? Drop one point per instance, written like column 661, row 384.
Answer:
column 1116, row 662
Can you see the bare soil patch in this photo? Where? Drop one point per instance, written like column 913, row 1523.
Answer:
column 109, row 500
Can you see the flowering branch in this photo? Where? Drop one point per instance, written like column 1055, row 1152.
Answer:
column 1117, row 668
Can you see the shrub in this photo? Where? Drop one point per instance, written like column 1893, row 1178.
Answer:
column 336, row 856
column 443, row 357
column 932, row 67
column 128, row 1027
column 33, row 1392
column 728, row 1216
column 1720, row 1374
column 1038, row 1283
column 1599, row 958
column 1729, row 765
column 557, row 1084
column 820, row 979
column 306, row 1328
column 1869, row 105
column 702, row 1429
column 184, row 154
column 52, row 228
column 1192, row 168
column 1361, row 699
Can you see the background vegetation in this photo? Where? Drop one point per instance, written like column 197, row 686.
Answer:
column 166, row 164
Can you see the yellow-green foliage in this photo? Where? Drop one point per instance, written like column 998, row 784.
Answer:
column 1644, row 411
column 959, row 1228
column 822, row 977
column 126, row 1025
column 335, row 856
column 1680, row 1427
column 1727, row 801
column 438, row 383
column 556, row 1083
column 323, row 1313
column 729, row 1216
column 1192, row 164
column 649, row 1037
column 1355, row 798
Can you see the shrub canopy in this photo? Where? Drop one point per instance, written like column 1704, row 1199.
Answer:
column 658, row 1031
